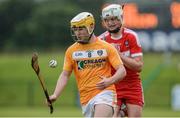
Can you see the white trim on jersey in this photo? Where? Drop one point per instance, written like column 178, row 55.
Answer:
column 128, row 54
column 89, row 54
column 133, row 33
column 136, row 54
column 103, row 35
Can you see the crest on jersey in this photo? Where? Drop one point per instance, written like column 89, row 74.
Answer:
column 126, row 43
column 100, row 52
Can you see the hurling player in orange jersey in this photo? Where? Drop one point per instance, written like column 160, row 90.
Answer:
column 130, row 97
column 91, row 59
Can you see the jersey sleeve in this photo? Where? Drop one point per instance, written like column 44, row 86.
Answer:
column 103, row 35
column 135, row 46
column 68, row 62
column 114, row 57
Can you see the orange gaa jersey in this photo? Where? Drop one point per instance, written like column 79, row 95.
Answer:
column 89, row 61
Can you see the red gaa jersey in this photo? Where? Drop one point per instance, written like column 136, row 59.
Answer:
column 129, row 45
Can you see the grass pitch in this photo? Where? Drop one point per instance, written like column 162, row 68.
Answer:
column 73, row 112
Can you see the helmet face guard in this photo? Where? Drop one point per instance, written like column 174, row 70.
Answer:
column 83, row 39
column 116, row 11
column 82, row 21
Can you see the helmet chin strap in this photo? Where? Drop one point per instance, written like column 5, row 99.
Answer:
column 115, row 30
column 87, row 41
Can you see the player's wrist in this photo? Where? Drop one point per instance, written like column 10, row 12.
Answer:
column 111, row 80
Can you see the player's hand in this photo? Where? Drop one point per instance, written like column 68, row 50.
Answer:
column 52, row 98
column 105, row 82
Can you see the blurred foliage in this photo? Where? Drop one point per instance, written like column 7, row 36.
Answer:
column 13, row 13
column 43, row 24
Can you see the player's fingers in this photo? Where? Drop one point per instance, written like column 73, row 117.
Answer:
column 101, row 77
column 100, row 85
column 52, row 98
column 47, row 102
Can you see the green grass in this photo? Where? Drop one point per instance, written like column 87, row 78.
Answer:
column 158, row 92
column 160, row 112
column 40, row 112
column 73, row 112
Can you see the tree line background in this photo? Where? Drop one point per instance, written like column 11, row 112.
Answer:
column 43, row 24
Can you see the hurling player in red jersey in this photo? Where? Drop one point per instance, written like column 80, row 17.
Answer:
column 130, row 98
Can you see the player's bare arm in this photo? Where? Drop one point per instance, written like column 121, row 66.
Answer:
column 118, row 76
column 62, row 81
column 135, row 63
